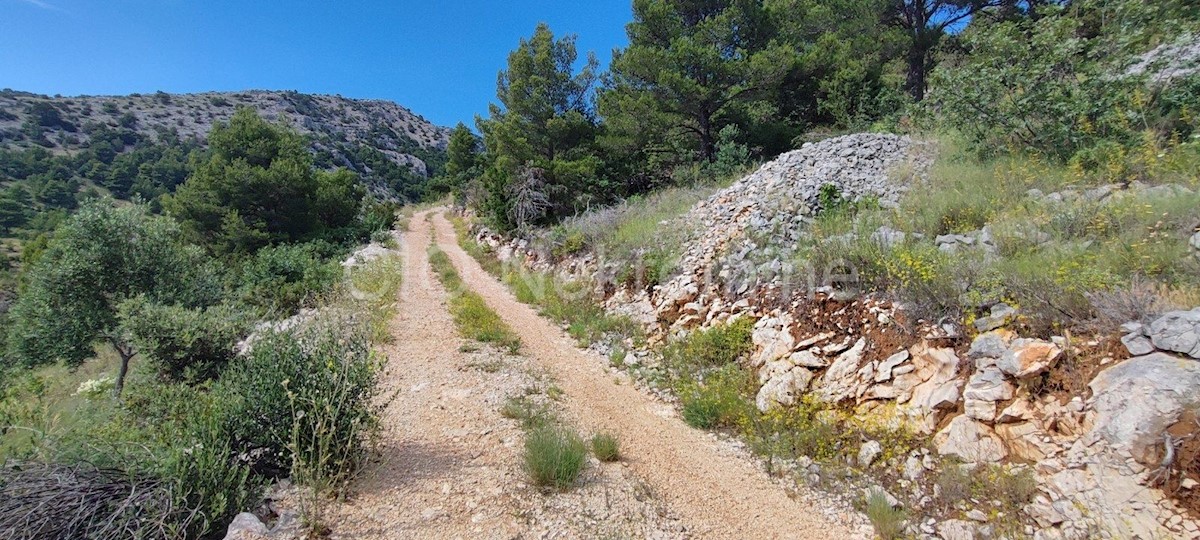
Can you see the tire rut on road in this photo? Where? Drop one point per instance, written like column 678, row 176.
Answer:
column 714, row 490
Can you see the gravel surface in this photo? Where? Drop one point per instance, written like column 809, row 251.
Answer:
column 449, row 465
column 714, row 488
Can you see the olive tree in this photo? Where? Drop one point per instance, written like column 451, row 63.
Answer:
column 104, row 255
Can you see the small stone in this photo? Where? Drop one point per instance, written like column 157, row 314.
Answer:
column 868, row 453
column 1188, row 483
column 1000, row 315
column 913, row 469
column 884, row 372
column 245, row 526
column 977, row 515
column 1137, row 344
column 988, row 345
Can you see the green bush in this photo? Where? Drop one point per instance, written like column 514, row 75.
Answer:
column 721, row 399
column 304, row 399
column 554, row 456
column 280, row 280
column 184, row 344
column 711, row 348
column 164, row 438
column 606, row 447
column 888, row 521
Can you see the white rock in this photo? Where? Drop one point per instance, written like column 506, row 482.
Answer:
column 840, row 380
column 984, row 411
column 807, row 359
column 1137, row 344
column 970, row 441
column 868, row 453
column 246, row 526
column 989, row 345
column 1028, row 357
column 884, row 372
column 1178, row 331
column 1137, row 400
column 989, row 385
column 783, row 389
column 956, row 529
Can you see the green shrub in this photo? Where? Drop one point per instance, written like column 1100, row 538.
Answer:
column 166, row 437
column 184, row 344
column 554, row 456
column 888, row 521
column 722, row 399
column 714, row 347
column 606, row 447
column 279, row 280
column 305, row 399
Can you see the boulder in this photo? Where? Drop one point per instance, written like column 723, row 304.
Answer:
column 841, row 379
column 931, row 388
column 1028, row 357
column 984, row 411
column 970, row 441
column 807, row 359
column 1025, row 441
column 989, row 385
column 246, row 526
column 1117, row 503
column 1195, row 241
column 956, row 529
column 1137, row 344
column 989, row 345
column 783, row 389
column 1020, row 411
column 772, row 338
column 1137, row 400
column 884, row 372
column 1177, row 331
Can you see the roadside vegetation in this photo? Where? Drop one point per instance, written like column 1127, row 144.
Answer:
column 141, row 390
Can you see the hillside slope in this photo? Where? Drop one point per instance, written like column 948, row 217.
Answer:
column 1033, row 322
column 389, row 146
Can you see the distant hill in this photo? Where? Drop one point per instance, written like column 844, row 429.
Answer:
column 392, row 148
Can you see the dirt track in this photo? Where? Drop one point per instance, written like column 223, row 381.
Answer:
column 716, row 493
column 450, row 464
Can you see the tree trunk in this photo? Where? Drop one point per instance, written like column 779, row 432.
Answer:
column 708, row 145
column 126, row 353
column 915, row 83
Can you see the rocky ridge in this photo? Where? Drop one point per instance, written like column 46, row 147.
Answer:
column 1099, row 456
column 339, row 127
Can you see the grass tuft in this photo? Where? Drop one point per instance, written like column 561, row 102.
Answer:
column 888, row 521
column 606, row 447
column 554, row 456
column 474, row 319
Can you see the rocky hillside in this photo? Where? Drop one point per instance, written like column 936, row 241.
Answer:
column 1100, row 420
column 388, row 145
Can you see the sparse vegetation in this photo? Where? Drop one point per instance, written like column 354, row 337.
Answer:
column 888, row 521
column 554, row 456
column 606, row 447
column 475, row 320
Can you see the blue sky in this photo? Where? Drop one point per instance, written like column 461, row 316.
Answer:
column 439, row 58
